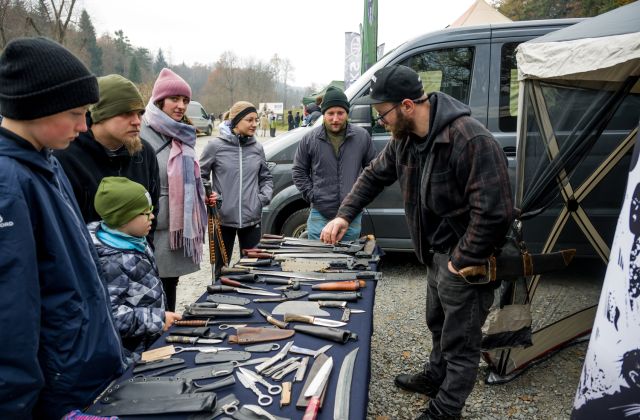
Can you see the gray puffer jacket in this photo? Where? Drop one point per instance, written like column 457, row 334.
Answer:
column 325, row 179
column 239, row 173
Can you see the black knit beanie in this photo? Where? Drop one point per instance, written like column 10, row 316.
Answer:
column 39, row 77
column 334, row 97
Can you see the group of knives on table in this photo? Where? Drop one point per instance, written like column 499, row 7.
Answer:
column 318, row 302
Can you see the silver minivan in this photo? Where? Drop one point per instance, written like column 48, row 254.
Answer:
column 200, row 118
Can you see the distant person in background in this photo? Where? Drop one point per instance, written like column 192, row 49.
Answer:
column 313, row 113
column 272, row 124
column 238, row 170
column 327, row 164
column 264, row 123
column 182, row 216
column 296, row 120
column 290, row 120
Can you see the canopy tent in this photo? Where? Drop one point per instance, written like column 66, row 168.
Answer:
column 311, row 98
column 479, row 13
column 579, row 104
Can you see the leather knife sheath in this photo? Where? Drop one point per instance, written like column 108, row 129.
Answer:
column 187, row 403
column 222, row 356
column 248, row 335
column 205, row 372
column 349, row 285
column 143, row 388
column 157, row 364
column 334, row 334
column 202, row 332
column 346, row 296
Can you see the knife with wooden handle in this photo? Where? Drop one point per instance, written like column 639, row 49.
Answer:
column 349, row 286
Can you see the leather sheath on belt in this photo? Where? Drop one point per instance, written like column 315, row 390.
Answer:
column 247, row 335
column 346, row 296
column 334, row 334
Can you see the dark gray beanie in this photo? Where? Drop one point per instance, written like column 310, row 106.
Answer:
column 39, row 77
column 334, row 97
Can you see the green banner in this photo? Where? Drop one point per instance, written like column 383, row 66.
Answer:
column 369, row 35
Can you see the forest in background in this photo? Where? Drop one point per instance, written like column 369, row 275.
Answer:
column 231, row 78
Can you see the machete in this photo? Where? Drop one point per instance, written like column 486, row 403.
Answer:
column 343, row 389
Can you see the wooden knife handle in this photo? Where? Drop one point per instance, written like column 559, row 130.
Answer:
column 229, row 282
column 220, row 289
column 248, row 251
column 311, row 413
column 299, row 318
column 274, row 321
column 349, row 286
column 180, row 339
column 259, row 255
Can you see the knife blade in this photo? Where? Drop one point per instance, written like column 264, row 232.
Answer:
column 343, row 389
column 315, row 389
column 272, row 320
column 224, row 289
column 313, row 320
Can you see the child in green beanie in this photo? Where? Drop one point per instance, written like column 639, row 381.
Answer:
column 137, row 300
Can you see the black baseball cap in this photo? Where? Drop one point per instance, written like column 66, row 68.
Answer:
column 393, row 84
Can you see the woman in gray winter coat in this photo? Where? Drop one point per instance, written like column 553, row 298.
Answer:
column 237, row 166
column 182, row 217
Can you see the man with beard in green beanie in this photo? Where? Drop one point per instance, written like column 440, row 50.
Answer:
column 111, row 147
column 328, row 161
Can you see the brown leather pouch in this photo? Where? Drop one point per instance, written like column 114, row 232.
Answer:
column 248, row 335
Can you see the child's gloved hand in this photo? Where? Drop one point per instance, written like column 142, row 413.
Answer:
column 170, row 318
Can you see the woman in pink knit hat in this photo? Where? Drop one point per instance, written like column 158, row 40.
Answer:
column 182, row 217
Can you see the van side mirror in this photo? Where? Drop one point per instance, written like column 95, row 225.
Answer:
column 360, row 115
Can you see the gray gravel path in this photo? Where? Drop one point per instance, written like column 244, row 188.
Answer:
column 401, row 343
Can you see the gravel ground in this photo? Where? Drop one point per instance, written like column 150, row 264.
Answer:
column 401, row 342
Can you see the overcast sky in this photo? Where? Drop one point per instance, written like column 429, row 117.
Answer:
column 309, row 33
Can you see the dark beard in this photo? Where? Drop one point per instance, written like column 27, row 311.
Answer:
column 403, row 126
column 133, row 145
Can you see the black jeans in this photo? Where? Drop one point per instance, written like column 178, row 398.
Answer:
column 170, row 285
column 248, row 236
column 456, row 312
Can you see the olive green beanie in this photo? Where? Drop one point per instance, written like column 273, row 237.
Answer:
column 119, row 200
column 117, row 96
column 334, row 97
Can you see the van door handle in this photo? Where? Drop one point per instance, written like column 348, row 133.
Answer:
column 510, row 151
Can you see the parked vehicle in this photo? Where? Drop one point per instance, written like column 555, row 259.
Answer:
column 200, row 118
column 476, row 65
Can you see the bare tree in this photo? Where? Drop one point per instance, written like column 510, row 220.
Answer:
column 228, row 67
column 62, row 12
column 287, row 75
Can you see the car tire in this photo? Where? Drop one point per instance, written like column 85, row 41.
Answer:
column 209, row 131
column 296, row 224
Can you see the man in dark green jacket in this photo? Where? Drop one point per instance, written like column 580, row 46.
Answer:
column 328, row 161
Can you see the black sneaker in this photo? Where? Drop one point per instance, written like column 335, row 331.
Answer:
column 419, row 383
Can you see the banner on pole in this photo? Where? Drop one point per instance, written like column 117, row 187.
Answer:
column 351, row 57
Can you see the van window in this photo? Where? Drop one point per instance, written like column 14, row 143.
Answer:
column 508, row 105
column 447, row 70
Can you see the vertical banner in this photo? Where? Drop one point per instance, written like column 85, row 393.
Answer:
column 351, row 57
column 609, row 386
column 380, row 51
column 369, row 35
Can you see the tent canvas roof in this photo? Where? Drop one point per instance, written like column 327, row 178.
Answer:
column 606, row 47
column 480, row 13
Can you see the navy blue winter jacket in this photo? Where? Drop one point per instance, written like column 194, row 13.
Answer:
column 59, row 345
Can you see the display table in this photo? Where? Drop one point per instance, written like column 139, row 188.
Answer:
column 361, row 324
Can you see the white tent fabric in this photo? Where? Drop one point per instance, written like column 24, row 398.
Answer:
column 612, row 58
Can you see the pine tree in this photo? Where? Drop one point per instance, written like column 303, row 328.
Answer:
column 89, row 41
column 135, row 75
column 160, row 62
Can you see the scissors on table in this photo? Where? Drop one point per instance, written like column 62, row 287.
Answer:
column 271, row 388
column 249, row 383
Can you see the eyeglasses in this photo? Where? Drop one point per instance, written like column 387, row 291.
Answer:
column 380, row 118
column 148, row 213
